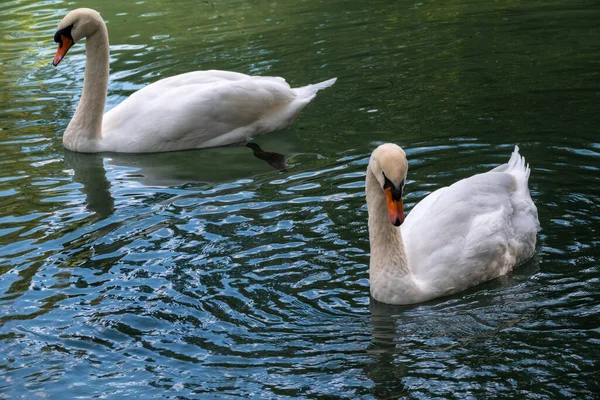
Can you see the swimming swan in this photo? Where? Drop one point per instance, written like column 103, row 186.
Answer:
column 458, row 236
column 187, row 111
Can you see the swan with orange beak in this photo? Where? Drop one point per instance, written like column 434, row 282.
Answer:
column 456, row 237
column 188, row 111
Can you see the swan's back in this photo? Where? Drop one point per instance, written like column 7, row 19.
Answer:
column 474, row 230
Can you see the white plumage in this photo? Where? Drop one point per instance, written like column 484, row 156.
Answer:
column 459, row 236
column 192, row 110
column 203, row 109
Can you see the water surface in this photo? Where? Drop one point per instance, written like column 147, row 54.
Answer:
column 215, row 274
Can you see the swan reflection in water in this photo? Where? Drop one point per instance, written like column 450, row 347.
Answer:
column 219, row 164
column 427, row 340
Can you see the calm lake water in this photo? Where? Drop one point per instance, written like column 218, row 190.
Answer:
column 213, row 274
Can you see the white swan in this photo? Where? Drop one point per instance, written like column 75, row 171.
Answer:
column 192, row 110
column 458, row 236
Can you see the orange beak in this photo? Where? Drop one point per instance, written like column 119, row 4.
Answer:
column 63, row 46
column 395, row 208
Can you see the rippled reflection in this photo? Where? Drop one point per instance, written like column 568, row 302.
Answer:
column 164, row 169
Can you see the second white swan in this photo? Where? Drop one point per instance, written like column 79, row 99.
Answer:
column 458, row 236
column 187, row 111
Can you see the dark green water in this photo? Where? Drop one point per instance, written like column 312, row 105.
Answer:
column 210, row 274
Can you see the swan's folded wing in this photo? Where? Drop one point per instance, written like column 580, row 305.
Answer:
column 195, row 110
column 462, row 232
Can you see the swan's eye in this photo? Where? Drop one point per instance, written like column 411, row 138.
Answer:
column 396, row 191
column 387, row 183
column 66, row 32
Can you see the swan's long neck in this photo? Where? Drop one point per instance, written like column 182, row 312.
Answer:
column 85, row 129
column 387, row 248
column 388, row 270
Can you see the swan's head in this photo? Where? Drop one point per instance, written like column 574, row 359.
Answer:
column 79, row 23
column 389, row 166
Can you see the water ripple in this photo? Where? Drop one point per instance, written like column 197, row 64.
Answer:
column 214, row 274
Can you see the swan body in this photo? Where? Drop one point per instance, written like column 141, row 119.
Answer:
column 193, row 110
column 458, row 236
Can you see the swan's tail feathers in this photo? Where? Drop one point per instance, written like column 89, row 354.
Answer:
column 517, row 166
column 310, row 91
column 324, row 84
column 525, row 216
